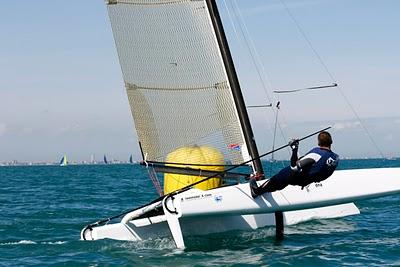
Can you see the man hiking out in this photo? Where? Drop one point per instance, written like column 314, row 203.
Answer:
column 316, row 166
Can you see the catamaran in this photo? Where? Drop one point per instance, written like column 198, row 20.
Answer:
column 193, row 126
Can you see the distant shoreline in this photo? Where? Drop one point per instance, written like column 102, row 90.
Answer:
column 42, row 164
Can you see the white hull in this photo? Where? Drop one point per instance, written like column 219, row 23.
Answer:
column 196, row 212
column 207, row 225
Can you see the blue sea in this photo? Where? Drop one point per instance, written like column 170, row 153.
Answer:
column 43, row 209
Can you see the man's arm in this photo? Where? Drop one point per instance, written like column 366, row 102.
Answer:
column 306, row 161
column 303, row 163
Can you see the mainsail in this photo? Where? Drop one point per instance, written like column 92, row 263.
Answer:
column 175, row 78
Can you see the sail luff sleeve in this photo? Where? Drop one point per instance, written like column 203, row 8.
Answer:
column 226, row 56
column 175, row 80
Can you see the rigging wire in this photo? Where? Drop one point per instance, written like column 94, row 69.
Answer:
column 355, row 113
column 242, row 40
column 153, row 177
column 260, row 106
column 304, row 89
column 254, row 55
column 250, row 47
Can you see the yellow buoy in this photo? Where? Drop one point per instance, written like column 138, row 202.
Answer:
column 193, row 155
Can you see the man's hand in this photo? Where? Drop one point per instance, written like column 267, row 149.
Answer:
column 294, row 144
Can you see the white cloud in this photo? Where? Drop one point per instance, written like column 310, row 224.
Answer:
column 346, row 125
column 3, row 128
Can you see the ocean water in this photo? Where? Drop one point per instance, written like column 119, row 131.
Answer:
column 43, row 210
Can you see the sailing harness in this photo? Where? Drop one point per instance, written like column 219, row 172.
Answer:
column 188, row 187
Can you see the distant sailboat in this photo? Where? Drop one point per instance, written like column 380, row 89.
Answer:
column 63, row 161
column 130, row 160
column 105, row 160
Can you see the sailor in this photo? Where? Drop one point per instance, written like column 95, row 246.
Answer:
column 316, row 166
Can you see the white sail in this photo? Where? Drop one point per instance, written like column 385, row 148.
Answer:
column 175, row 78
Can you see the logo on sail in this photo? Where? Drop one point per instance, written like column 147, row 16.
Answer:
column 235, row 147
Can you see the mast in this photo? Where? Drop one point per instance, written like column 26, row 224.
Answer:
column 235, row 86
column 239, row 102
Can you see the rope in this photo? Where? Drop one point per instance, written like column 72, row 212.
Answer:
column 153, row 177
column 332, row 77
column 254, row 55
column 251, row 47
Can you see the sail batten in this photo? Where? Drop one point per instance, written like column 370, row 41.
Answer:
column 177, row 88
column 175, row 78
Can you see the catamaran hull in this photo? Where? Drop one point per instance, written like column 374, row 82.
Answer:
column 142, row 230
column 197, row 212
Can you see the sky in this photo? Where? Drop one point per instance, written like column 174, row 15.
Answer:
column 61, row 87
